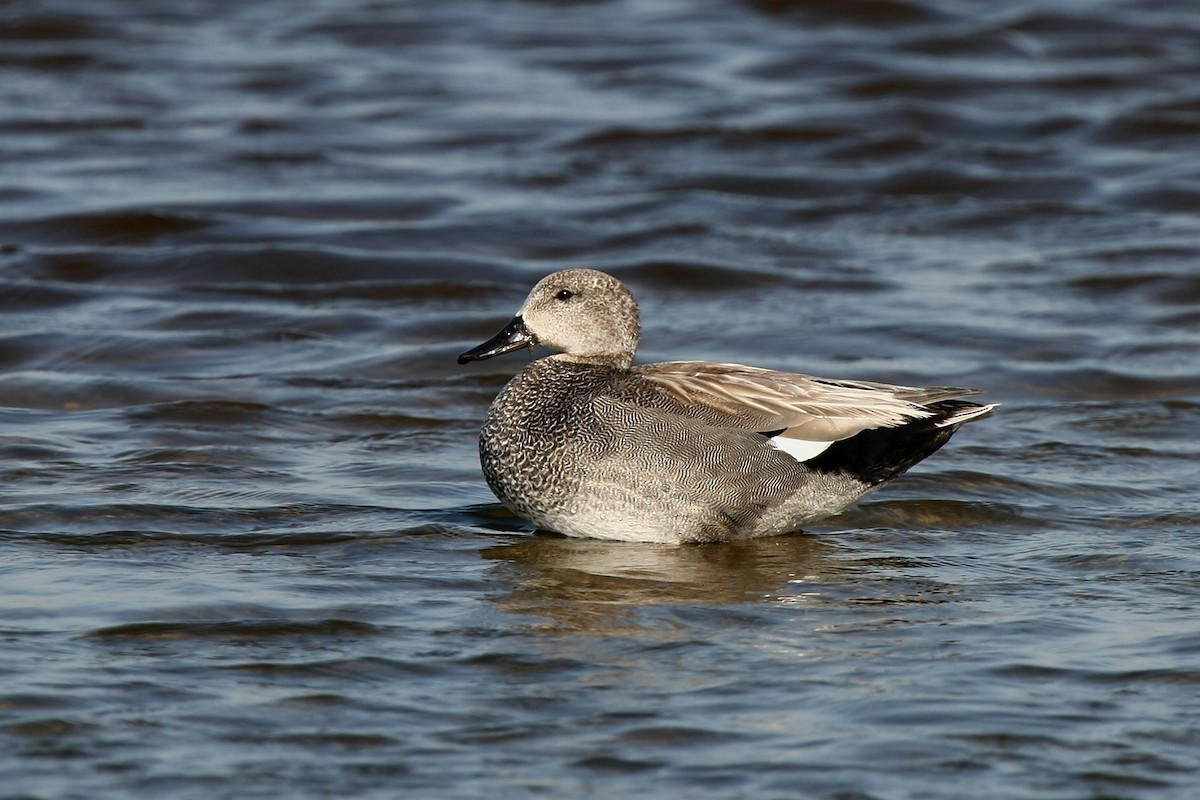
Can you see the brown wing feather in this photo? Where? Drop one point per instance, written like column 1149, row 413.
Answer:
column 816, row 409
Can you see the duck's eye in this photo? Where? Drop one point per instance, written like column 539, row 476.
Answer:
column 565, row 294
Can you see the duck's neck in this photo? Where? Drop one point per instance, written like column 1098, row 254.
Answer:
column 611, row 361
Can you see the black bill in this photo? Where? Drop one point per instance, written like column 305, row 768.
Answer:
column 514, row 336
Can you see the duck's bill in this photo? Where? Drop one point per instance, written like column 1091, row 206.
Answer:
column 514, row 336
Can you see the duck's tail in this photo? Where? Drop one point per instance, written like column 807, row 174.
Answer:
column 878, row 455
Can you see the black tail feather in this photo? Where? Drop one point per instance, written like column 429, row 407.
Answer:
column 878, row 455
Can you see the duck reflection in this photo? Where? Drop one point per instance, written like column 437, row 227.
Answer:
column 602, row 587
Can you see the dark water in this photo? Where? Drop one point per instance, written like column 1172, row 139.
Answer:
column 245, row 548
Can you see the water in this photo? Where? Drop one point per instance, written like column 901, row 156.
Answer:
column 245, row 548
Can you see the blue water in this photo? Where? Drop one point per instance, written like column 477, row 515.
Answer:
column 245, row 546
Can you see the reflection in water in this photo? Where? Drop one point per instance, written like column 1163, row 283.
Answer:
column 603, row 587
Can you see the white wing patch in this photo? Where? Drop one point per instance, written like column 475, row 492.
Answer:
column 799, row 449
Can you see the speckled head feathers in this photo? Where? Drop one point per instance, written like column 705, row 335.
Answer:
column 586, row 315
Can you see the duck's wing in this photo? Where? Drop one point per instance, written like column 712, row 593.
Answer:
column 789, row 405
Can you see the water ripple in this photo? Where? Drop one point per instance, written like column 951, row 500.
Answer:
column 244, row 540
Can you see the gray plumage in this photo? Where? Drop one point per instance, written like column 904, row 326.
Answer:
column 586, row 444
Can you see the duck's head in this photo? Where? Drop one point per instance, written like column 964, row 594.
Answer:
column 585, row 315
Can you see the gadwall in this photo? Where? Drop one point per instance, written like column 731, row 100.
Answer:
column 584, row 443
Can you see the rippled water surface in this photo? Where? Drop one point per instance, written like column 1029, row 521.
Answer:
column 245, row 547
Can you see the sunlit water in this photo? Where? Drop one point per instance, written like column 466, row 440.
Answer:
column 245, row 548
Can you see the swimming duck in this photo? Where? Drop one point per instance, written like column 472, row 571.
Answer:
column 585, row 443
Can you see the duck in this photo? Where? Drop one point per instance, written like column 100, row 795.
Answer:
column 585, row 443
